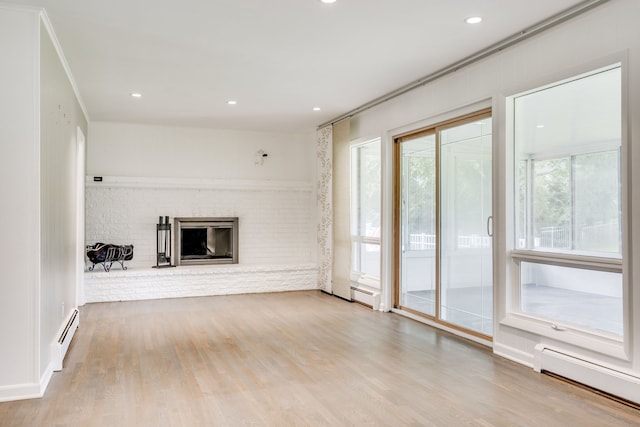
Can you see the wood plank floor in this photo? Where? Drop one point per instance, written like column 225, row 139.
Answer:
column 292, row 359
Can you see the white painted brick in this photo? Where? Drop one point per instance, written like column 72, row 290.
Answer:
column 277, row 239
column 183, row 281
column 276, row 226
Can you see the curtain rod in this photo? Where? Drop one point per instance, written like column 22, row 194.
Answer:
column 488, row 51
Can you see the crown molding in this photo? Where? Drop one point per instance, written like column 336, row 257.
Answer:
column 44, row 18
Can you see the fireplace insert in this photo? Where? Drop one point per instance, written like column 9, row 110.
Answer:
column 201, row 241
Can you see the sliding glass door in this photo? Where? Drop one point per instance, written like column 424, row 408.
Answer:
column 466, row 269
column 418, row 223
column 444, row 224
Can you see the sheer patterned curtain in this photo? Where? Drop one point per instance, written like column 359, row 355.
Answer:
column 341, row 204
column 333, row 201
column 324, row 155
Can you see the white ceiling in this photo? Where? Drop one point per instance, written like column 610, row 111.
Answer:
column 277, row 58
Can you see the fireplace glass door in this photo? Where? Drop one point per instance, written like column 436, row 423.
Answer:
column 206, row 240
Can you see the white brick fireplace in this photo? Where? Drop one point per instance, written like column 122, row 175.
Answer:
column 150, row 171
column 276, row 236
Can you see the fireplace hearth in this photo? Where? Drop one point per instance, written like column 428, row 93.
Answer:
column 201, row 241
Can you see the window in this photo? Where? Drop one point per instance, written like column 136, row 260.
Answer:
column 568, row 202
column 365, row 212
column 575, row 203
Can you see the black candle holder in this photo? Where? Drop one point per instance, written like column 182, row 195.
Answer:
column 163, row 243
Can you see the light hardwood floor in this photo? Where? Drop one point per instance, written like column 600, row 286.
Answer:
column 298, row 358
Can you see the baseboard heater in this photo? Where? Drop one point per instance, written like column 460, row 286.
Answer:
column 61, row 344
column 366, row 297
column 599, row 377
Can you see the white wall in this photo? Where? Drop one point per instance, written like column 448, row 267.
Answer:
column 40, row 115
column 20, row 195
column 60, row 117
column 122, row 149
column 607, row 33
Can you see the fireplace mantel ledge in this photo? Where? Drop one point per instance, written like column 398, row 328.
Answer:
column 196, row 183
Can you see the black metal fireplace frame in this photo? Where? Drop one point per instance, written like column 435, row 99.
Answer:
column 181, row 223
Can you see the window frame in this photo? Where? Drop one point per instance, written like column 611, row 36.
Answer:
column 617, row 346
column 357, row 276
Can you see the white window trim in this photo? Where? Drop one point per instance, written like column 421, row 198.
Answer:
column 602, row 342
column 356, row 276
column 568, row 259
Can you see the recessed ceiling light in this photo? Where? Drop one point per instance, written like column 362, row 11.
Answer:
column 540, row 126
column 473, row 20
column 328, row 1
column 316, row 108
column 136, row 95
column 231, row 102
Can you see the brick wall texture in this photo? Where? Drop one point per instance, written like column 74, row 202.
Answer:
column 277, row 237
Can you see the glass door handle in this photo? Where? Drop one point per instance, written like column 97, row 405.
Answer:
column 490, row 226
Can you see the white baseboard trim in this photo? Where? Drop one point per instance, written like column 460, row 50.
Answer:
column 23, row 391
column 46, row 378
column 27, row 391
column 513, row 354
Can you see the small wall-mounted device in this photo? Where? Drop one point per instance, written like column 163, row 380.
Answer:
column 261, row 155
column 97, row 179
